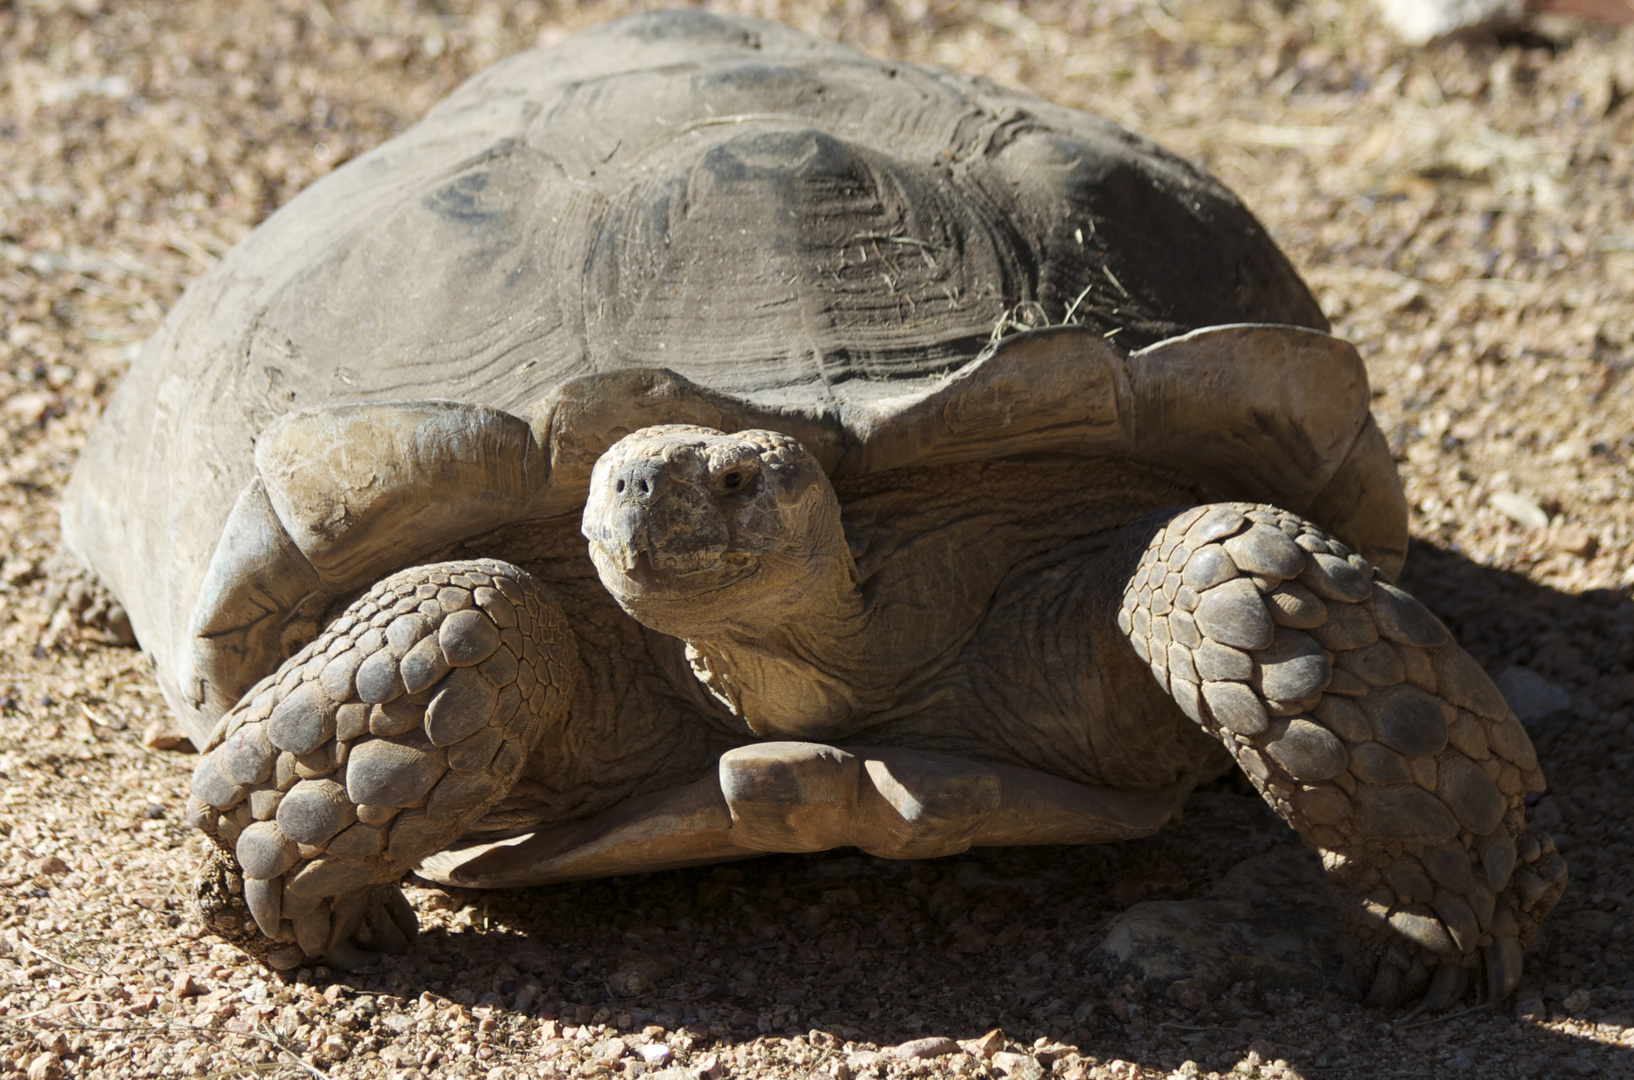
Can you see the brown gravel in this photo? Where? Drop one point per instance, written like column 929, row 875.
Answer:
column 1466, row 215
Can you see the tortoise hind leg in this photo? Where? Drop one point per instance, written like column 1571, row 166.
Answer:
column 1367, row 728
column 376, row 745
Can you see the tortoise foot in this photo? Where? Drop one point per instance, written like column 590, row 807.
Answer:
column 380, row 743
column 1368, row 729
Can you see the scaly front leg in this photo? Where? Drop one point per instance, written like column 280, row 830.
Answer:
column 376, row 745
column 1367, row 728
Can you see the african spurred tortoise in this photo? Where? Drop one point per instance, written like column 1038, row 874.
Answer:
column 717, row 298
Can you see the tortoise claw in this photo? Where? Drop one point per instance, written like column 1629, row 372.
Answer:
column 1503, row 967
column 1446, row 987
column 1387, row 991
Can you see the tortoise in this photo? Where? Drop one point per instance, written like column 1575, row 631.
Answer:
column 624, row 469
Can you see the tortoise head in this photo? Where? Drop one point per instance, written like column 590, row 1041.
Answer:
column 701, row 534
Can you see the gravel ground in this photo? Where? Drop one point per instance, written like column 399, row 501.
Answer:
column 1466, row 215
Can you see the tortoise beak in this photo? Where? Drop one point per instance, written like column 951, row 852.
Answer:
column 650, row 514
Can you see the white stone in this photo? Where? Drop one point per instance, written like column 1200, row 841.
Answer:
column 1418, row 22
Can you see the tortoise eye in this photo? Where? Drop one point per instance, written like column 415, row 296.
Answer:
column 732, row 481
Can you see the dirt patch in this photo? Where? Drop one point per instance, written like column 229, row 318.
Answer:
column 1465, row 214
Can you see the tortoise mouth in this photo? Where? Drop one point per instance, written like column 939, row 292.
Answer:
column 640, row 580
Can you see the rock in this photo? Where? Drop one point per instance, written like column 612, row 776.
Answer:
column 1270, row 920
column 1418, row 22
column 1576, row 540
column 1188, row 994
column 165, row 735
column 986, row 1046
column 1523, row 510
column 1017, row 1066
column 924, row 1049
column 1531, row 695
column 46, row 1066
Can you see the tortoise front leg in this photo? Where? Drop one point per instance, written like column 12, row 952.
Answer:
column 379, row 743
column 1367, row 728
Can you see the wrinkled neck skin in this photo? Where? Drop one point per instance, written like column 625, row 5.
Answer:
column 734, row 544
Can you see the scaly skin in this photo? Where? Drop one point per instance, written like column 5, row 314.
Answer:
column 376, row 745
column 1367, row 728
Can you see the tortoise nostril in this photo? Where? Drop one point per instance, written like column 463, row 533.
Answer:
column 619, row 487
column 641, row 485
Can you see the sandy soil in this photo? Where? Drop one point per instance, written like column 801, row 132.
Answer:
column 1466, row 215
